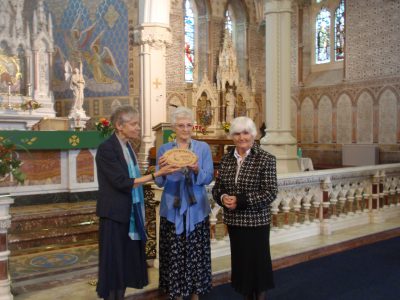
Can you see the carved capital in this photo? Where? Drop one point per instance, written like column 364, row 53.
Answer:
column 154, row 35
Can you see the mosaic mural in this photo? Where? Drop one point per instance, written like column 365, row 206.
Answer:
column 95, row 33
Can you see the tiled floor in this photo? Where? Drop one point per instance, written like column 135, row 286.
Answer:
column 78, row 285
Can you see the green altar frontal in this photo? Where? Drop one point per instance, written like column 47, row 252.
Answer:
column 53, row 140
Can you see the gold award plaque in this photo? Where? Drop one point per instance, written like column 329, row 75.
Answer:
column 180, row 157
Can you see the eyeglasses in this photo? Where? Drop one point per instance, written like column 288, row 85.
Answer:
column 183, row 126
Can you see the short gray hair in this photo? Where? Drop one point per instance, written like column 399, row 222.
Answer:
column 122, row 114
column 181, row 112
column 241, row 124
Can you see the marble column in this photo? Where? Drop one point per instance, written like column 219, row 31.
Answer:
column 5, row 222
column 278, row 140
column 153, row 35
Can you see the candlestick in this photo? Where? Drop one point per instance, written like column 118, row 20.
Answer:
column 9, row 88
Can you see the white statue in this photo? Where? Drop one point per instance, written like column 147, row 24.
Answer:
column 230, row 105
column 76, row 84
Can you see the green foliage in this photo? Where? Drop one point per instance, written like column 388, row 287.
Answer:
column 9, row 161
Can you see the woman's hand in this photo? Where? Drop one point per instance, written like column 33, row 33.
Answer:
column 229, row 202
column 194, row 168
column 162, row 161
column 166, row 169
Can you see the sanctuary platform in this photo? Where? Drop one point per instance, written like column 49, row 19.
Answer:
column 69, row 271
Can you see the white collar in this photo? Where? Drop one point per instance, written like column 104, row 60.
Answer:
column 237, row 155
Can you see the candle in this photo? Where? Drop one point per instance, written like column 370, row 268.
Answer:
column 9, row 88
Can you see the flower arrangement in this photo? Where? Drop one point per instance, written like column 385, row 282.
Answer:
column 199, row 128
column 226, row 126
column 9, row 161
column 30, row 104
column 105, row 127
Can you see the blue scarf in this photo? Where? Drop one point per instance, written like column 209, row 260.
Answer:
column 136, row 225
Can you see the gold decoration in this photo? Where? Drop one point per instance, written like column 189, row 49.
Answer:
column 180, row 157
column 74, row 140
column 29, row 141
column 111, row 16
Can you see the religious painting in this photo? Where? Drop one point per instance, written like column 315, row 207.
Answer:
column 204, row 111
column 241, row 110
column 11, row 71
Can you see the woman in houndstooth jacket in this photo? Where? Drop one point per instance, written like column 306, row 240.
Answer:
column 245, row 186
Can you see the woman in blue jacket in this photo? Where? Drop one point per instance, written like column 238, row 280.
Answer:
column 185, row 255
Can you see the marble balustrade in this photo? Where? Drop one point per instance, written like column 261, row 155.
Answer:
column 322, row 202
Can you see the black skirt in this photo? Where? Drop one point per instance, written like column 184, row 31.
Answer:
column 185, row 262
column 250, row 259
column 122, row 261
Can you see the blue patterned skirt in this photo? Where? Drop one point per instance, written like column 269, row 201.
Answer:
column 185, row 262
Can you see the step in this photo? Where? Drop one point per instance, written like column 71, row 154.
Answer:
column 46, row 225
column 50, row 236
column 33, row 217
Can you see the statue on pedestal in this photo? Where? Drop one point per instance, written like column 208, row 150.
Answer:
column 230, row 100
column 77, row 85
column 77, row 114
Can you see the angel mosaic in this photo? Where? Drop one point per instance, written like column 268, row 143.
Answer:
column 101, row 62
column 84, row 46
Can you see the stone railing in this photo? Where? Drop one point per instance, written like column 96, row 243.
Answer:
column 321, row 202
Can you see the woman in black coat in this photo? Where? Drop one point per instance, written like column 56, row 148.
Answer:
column 120, row 208
column 245, row 187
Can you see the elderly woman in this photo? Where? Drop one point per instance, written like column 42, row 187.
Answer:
column 245, row 186
column 120, row 208
column 185, row 255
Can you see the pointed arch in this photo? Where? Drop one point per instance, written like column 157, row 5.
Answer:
column 388, row 117
column 365, row 115
column 238, row 12
column 325, row 120
column 307, row 121
column 344, row 117
column 197, row 53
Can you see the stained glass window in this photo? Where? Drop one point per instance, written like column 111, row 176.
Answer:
column 228, row 22
column 339, row 31
column 189, row 42
column 322, row 37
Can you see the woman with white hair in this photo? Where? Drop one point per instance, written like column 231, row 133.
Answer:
column 185, row 254
column 245, row 187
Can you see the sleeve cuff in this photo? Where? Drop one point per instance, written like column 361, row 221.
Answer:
column 241, row 203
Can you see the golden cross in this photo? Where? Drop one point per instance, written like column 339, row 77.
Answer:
column 157, row 83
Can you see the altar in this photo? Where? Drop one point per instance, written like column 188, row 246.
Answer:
column 54, row 162
column 26, row 58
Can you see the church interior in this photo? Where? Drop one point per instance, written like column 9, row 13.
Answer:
column 320, row 79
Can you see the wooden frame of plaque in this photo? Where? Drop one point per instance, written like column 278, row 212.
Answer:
column 180, row 157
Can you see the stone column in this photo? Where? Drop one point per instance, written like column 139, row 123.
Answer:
column 153, row 35
column 5, row 222
column 278, row 139
column 326, row 227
